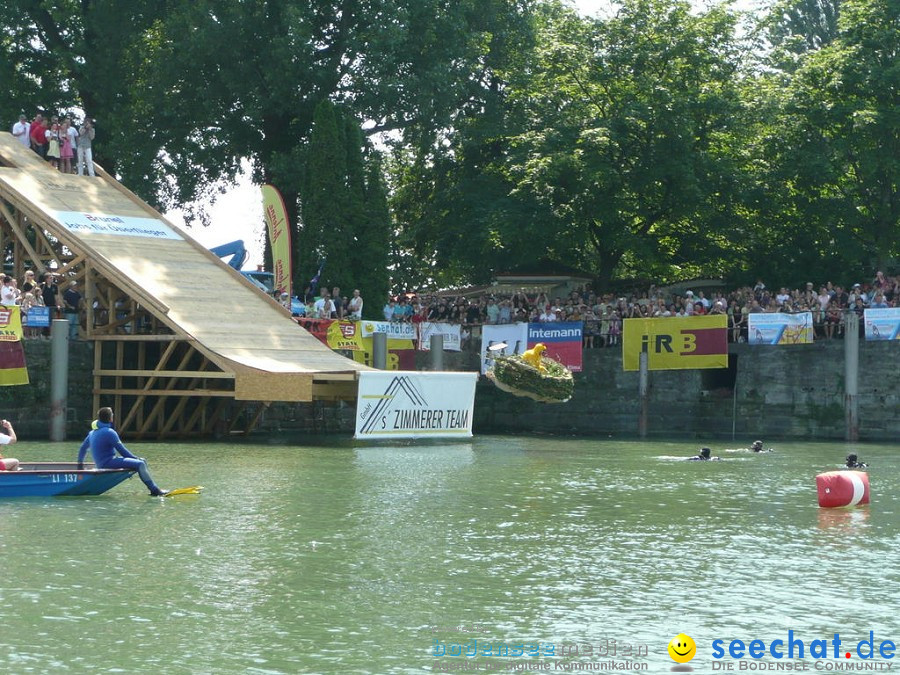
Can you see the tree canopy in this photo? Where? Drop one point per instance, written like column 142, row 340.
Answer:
column 425, row 142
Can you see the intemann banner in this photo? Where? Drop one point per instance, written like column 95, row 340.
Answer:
column 412, row 404
column 780, row 329
column 882, row 324
column 676, row 343
column 562, row 340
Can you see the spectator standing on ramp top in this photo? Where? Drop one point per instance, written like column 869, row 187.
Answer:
column 38, row 132
column 22, row 131
column 83, row 145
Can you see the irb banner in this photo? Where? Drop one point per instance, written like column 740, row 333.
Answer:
column 411, row 404
column 780, row 329
column 882, row 324
column 450, row 331
column 676, row 343
column 562, row 339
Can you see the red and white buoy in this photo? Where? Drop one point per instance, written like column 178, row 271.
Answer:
column 842, row 488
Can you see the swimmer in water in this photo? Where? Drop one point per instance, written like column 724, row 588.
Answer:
column 758, row 447
column 704, row 456
column 854, row 463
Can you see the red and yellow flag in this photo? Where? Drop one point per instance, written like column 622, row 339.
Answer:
column 12, row 354
column 676, row 343
column 279, row 237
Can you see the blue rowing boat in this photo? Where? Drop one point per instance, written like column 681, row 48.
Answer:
column 59, row 479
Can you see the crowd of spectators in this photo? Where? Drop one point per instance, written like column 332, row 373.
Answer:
column 603, row 313
column 327, row 305
column 45, row 292
column 58, row 140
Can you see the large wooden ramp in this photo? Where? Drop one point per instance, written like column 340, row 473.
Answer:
column 202, row 326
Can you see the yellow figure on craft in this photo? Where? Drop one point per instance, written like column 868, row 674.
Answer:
column 533, row 356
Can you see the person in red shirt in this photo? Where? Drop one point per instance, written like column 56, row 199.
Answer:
column 39, row 135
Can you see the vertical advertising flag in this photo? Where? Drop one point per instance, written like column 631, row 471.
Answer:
column 12, row 352
column 279, row 237
column 676, row 343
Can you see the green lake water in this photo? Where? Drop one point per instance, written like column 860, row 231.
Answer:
column 340, row 558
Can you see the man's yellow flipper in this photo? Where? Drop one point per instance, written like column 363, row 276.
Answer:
column 192, row 490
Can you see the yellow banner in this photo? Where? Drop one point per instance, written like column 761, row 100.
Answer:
column 279, row 237
column 398, row 358
column 12, row 353
column 10, row 323
column 676, row 343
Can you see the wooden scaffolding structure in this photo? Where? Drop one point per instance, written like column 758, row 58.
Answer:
column 183, row 344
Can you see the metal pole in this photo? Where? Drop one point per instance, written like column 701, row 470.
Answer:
column 59, row 377
column 851, row 375
column 644, row 395
column 437, row 351
column 379, row 351
column 734, row 412
column 734, row 400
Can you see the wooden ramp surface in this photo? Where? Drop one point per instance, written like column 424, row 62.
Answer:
column 191, row 290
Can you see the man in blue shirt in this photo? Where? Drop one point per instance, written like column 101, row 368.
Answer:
column 104, row 442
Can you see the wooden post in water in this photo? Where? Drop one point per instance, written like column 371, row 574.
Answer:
column 644, row 395
column 851, row 375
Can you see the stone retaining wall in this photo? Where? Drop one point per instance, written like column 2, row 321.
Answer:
column 781, row 392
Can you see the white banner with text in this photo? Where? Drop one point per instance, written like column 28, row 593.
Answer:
column 394, row 331
column 123, row 226
column 411, row 404
column 502, row 340
column 780, row 329
column 450, row 331
column 883, row 323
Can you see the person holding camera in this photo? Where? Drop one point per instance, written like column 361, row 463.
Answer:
column 83, row 145
column 8, row 437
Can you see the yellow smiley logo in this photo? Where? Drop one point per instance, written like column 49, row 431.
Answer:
column 682, row 648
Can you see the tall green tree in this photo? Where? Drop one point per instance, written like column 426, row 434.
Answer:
column 323, row 234
column 835, row 144
column 801, row 26
column 186, row 89
column 372, row 252
column 614, row 152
